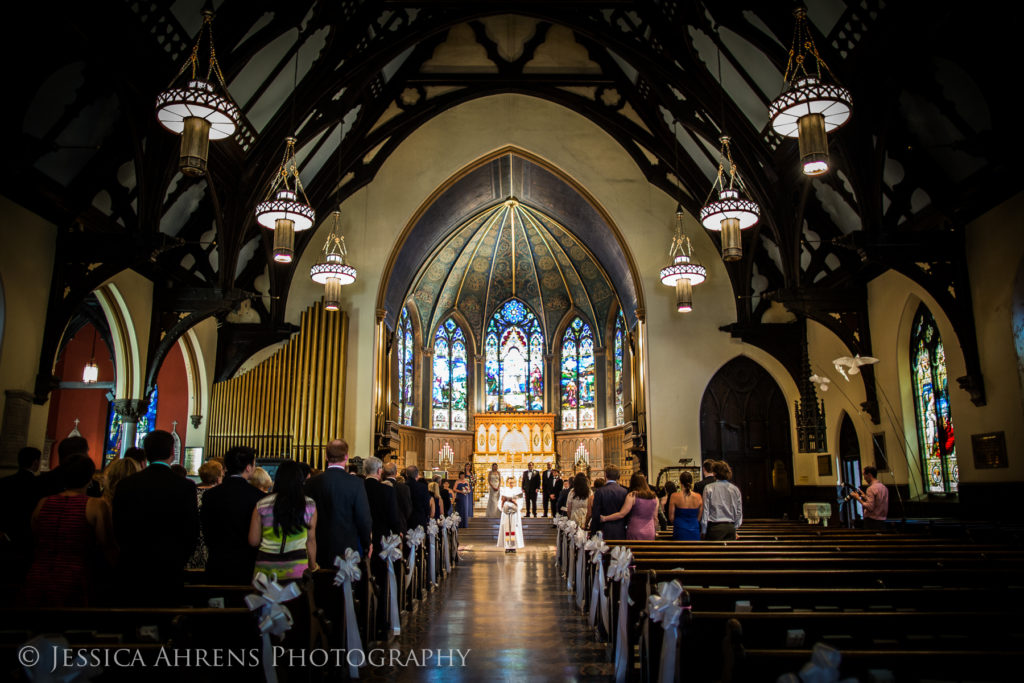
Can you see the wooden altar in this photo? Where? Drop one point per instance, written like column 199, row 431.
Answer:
column 513, row 440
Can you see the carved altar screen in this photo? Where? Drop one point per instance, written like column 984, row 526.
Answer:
column 513, row 440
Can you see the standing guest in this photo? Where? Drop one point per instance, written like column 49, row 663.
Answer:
column 685, row 509
column 402, row 496
column 435, row 503
column 556, row 491
column 708, row 474
column 875, row 500
column 342, row 507
column 180, row 471
column 463, row 500
column 530, row 484
column 211, row 473
column 283, row 527
column 52, row 482
column 599, row 482
column 562, row 501
column 116, row 472
column 227, row 514
column 471, row 480
column 66, row 527
column 421, row 497
column 446, row 496
column 261, row 479
column 156, row 524
column 547, row 482
column 641, row 506
column 17, row 502
column 493, row 490
column 138, row 455
column 607, row 500
column 666, row 495
column 384, row 516
column 578, row 500
column 723, row 506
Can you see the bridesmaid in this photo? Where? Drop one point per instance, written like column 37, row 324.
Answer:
column 471, row 480
column 463, row 500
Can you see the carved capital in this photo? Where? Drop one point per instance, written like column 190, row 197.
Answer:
column 196, row 420
column 130, row 409
column 975, row 387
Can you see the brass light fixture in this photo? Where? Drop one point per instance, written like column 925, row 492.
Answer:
column 731, row 212
column 286, row 209
column 196, row 109
column 684, row 273
column 332, row 269
column 809, row 107
column 91, row 372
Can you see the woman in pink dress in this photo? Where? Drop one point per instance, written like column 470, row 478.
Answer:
column 641, row 505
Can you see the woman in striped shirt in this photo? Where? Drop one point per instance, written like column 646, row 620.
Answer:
column 283, row 527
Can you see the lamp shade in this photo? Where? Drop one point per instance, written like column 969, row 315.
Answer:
column 683, row 269
column 730, row 205
column 91, row 373
column 810, row 96
column 285, row 206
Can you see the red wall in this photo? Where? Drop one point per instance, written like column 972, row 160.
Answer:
column 172, row 389
column 88, row 405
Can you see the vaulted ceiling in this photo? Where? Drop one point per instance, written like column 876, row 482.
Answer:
column 929, row 146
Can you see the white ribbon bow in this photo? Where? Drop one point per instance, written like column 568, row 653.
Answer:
column 446, row 555
column 581, row 563
column 432, row 531
column 568, row 534
column 598, row 598
column 454, row 519
column 618, row 570
column 348, row 573
column 414, row 539
column 559, row 523
column 391, row 550
column 664, row 608
column 274, row 617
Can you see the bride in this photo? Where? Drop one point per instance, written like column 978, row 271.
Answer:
column 510, row 531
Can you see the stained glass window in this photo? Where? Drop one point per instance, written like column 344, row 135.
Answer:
column 514, row 359
column 619, row 354
column 578, row 411
column 115, row 433
column 449, row 395
column 405, row 367
column 931, row 405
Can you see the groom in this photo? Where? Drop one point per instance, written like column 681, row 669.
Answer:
column 531, row 482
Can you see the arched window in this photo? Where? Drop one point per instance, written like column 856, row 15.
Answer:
column 578, row 376
column 619, row 354
column 931, row 405
column 449, row 377
column 514, row 352
column 405, row 367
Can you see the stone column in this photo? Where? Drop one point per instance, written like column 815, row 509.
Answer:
column 130, row 410
column 14, row 432
column 426, row 389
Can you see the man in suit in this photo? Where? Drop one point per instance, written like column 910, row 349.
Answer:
column 709, row 476
column 226, row 515
column 547, row 482
column 382, row 500
column 17, row 501
column 607, row 501
column 556, row 492
column 156, row 524
column 420, row 495
column 402, row 496
column 530, row 484
column 343, row 512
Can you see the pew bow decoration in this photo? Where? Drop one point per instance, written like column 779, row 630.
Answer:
column 581, row 563
column 569, row 558
column 415, row 539
column 274, row 618
column 618, row 570
column 455, row 518
column 560, row 526
column 347, row 574
column 598, row 597
column 432, row 530
column 391, row 551
column 446, row 554
column 664, row 608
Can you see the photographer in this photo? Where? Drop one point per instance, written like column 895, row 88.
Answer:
column 875, row 500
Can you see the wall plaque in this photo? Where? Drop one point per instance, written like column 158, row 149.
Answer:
column 989, row 450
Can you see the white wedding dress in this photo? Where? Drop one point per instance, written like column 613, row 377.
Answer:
column 510, row 530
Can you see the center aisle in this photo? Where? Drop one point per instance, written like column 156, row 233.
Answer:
column 512, row 611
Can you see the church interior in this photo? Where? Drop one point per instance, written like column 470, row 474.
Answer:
column 589, row 235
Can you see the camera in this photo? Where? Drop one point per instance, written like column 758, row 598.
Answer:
column 848, row 490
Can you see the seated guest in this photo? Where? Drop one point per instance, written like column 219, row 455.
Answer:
column 723, row 506
column 446, row 496
column 226, row 514
column 342, row 508
column 578, row 500
column 685, row 509
column 421, row 498
column 402, row 497
column 283, row 527
column 156, row 524
column 66, row 527
column 261, row 479
column 639, row 509
column 607, row 499
column 210, row 474
column 115, row 473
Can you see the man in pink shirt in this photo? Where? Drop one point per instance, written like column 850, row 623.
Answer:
column 875, row 500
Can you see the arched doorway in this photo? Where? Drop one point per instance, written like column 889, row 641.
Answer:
column 849, row 467
column 744, row 421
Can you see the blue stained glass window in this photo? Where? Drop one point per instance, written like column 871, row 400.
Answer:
column 406, row 364
column 450, row 402
column 619, row 354
column 115, row 433
column 514, row 359
column 935, row 434
column 578, row 404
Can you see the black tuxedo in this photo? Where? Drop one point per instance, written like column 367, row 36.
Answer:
column 530, row 484
column 404, row 501
column 562, row 499
column 383, row 510
column 156, row 524
column 342, row 514
column 556, row 491
column 607, row 501
column 547, row 481
column 226, row 515
column 699, row 486
column 420, row 495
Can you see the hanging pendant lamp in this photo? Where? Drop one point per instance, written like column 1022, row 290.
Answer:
column 684, row 273
column 332, row 269
column 286, row 209
column 731, row 212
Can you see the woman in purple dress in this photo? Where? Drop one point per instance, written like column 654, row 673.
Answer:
column 641, row 505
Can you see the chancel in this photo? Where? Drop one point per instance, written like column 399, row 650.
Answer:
column 577, row 340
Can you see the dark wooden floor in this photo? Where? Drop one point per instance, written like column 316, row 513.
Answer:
column 514, row 615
